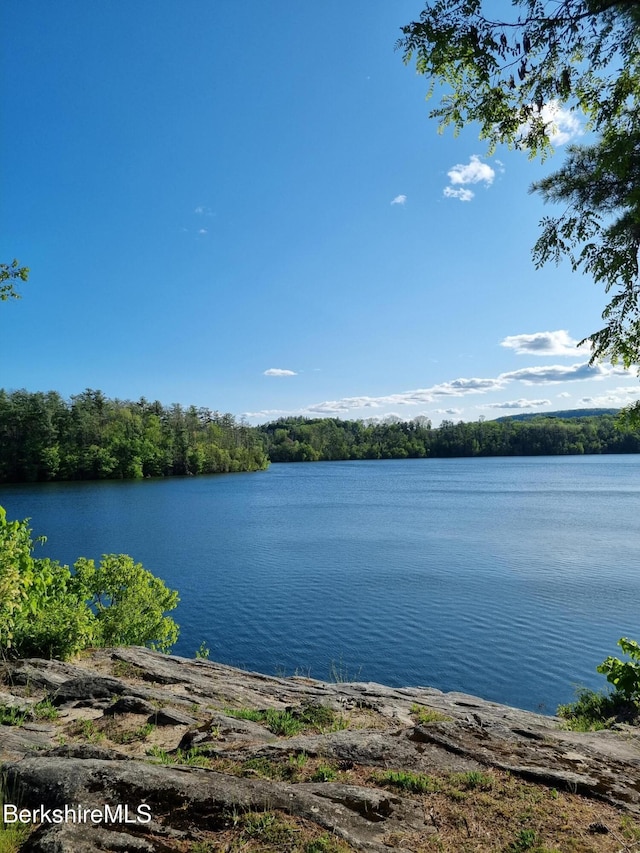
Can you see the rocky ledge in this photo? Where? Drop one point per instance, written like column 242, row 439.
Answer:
column 209, row 758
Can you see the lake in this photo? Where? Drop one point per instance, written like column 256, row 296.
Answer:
column 509, row 578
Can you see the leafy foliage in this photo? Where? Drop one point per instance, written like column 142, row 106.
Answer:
column 624, row 675
column 48, row 611
column 594, row 710
column 54, row 621
column 10, row 274
column 128, row 603
column 301, row 439
column 598, row 710
column 510, row 76
column 16, row 573
column 43, row 437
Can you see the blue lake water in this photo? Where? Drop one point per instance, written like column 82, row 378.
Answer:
column 506, row 578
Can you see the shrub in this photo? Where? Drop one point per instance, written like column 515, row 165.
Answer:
column 624, row 675
column 55, row 620
column 594, row 710
column 48, row 611
column 128, row 601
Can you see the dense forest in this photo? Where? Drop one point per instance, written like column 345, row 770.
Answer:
column 301, row 439
column 90, row 437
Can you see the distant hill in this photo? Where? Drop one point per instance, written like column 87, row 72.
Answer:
column 567, row 413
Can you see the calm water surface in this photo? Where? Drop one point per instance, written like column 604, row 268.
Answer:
column 507, row 578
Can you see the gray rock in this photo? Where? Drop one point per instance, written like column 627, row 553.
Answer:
column 129, row 705
column 174, row 692
column 67, row 839
column 171, row 717
column 87, row 688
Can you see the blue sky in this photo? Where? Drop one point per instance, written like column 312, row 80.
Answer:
column 245, row 206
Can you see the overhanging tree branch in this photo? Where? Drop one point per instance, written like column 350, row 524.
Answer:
column 580, row 55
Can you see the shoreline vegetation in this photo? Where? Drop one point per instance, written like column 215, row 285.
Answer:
column 91, row 437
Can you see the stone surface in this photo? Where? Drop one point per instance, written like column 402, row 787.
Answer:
column 100, row 750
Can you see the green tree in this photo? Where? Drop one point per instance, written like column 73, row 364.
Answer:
column 508, row 76
column 10, row 275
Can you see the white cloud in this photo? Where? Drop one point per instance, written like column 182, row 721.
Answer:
column 203, row 210
column 448, row 411
column 563, row 394
column 473, row 172
column 399, row 199
column 278, row 371
column 545, row 343
column 462, row 194
column 518, row 404
column 202, row 231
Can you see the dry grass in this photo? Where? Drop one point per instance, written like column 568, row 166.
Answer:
column 476, row 812
column 499, row 813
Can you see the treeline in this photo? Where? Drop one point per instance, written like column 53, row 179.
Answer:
column 90, row 437
column 301, row 440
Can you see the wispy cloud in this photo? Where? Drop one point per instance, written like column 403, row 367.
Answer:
column 202, row 231
column 455, row 388
column 561, row 373
column 399, row 199
column 266, row 413
column 518, row 404
column 545, row 343
column 473, row 172
column 278, row 371
column 463, row 387
column 203, row 210
column 463, row 194
column 621, row 396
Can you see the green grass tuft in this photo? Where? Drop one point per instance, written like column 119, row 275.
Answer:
column 415, row 783
column 594, row 710
column 424, row 716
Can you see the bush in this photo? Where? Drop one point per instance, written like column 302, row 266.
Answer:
column 624, row 675
column 128, row 602
column 46, row 610
column 55, row 620
column 598, row 710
